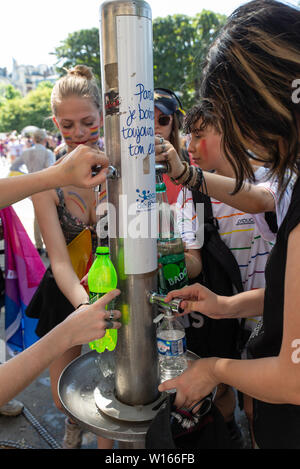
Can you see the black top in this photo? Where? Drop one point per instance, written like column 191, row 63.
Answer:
column 276, row 426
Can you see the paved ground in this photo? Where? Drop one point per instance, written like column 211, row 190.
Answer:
column 37, row 397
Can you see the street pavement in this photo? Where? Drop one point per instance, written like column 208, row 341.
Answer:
column 18, row 431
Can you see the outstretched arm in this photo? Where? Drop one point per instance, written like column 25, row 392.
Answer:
column 84, row 325
column 250, row 198
column 196, row 297
column 273, row 379
column 73, row 169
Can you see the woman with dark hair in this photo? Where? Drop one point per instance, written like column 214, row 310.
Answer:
column 168, row 118
column 248, row 83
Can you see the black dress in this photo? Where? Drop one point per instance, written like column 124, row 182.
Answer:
column 276, row 425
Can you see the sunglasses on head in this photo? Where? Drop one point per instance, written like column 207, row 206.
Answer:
column 164, row 120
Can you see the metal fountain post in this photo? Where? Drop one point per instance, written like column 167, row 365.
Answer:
column 127, row 87
column 122, row 408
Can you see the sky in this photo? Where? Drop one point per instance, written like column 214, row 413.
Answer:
column 31, row 29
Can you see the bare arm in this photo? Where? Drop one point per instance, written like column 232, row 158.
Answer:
column 75, row 168
column 193, row 262
column 81, row 327
column 272, row 379
column 250, row 199
column 199, row 298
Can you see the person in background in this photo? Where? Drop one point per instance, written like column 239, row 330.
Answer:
column 168, row 118
column 35, row 159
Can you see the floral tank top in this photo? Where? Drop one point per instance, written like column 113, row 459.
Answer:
column 71, row 225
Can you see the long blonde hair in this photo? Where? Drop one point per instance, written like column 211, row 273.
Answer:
column 248, row 84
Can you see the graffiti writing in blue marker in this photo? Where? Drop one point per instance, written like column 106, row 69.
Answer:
column 140, row 124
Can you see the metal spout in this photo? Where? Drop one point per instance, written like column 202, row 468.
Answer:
column 162, row 168
column 159, row 300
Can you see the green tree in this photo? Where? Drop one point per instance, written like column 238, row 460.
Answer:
column 33, row 109
column 80, row 48
column 8, row 92
column 180, row 45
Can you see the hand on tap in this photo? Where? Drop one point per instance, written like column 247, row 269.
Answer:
column 76, row 167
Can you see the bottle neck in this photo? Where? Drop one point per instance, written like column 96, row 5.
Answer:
column 166, row 224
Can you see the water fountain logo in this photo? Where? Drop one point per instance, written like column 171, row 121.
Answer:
column 146, row 200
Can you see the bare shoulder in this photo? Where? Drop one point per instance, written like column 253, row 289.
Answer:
column 46, row 197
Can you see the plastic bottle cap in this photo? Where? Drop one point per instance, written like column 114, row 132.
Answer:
column 160, row 187
column 102, row 250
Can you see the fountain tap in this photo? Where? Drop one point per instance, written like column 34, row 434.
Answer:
column 112, row 173
column 159, row 300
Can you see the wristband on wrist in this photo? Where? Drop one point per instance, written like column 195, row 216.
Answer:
column 81, row 304
column 197, row 182
column 190, row 176
column 177, row 180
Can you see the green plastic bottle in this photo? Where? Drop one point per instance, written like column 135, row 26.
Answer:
column 102, row 278
column 173, row 273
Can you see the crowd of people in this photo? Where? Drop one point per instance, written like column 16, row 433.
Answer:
column 12, row 144
column 243, row 152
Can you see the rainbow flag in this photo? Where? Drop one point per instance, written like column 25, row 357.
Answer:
column 24, row 270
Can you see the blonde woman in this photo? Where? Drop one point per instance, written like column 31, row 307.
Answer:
column 248, row 81
column 63, row 213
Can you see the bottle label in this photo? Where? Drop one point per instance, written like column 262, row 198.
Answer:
column 172, row 275
column 95, row 296
column 171, row 348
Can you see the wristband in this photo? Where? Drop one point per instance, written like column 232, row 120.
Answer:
column 81, row 304
column 177, row 180
column 196, row 184
column 190, row 176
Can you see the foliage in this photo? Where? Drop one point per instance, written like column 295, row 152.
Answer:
column 80, row 48
column 33, row 109
column 180, row 46
column 8, row 92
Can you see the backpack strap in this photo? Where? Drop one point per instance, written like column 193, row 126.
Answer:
column 214, row 243
column 271, row 219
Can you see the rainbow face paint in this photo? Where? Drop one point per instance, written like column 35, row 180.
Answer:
column 93, row 137
column 203, row 147
column 94, row 134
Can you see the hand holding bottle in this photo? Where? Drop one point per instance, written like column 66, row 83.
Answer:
column 102, row 278
column 89, row 322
